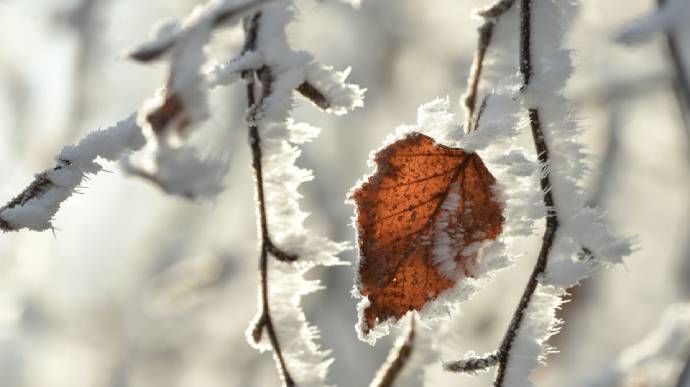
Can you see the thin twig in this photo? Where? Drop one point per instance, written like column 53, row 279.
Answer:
column 545, row 182
column 472, row 364
column 547, row 243
column 397, row 359
column 264, row 76
column 525, row 65
column 486, row 30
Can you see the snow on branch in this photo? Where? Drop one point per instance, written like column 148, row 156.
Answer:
column 172, row 34
column 35, row 207
column 280, row 324
column 571, row 226
column 182, row 103
column 177, row 170
column 575, row 241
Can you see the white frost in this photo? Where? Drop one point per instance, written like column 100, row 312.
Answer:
column 35, row 207
column 518, row 192
column 306, row 361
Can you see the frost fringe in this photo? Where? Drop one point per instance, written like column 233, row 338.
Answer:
column 280, row 324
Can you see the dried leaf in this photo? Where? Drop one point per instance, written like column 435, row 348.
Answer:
column 172, row 110
column 421, row 218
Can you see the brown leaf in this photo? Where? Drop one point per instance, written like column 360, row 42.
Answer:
column 171, row 111
column 425, row 204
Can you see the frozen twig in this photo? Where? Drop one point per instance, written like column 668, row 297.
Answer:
column 552, row 223
column 280, row 324
column 42, row 198
column 547, row 243
column 486, row 30
column 36, row 205
column 265, row 322
column 472, row 363
column 220, row 15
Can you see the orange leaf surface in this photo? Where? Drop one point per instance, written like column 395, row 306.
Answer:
column 425, row 204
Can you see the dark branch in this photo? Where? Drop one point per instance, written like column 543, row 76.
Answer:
column 545, row 182
column 547, row 243
column 314, row 95
column 398, row 358
column 472, row 365
column 265, row 79
column 525, row 42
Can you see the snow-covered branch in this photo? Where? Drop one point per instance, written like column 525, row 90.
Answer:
column 570, row 251
column 280, row 324
column 35, row 207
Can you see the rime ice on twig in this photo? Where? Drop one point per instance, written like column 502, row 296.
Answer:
column 182, row 103
column 544, row 66
column 170, row 34
column 491, row 14
column 278, row 73
column 472, row 363
column 35, row 207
